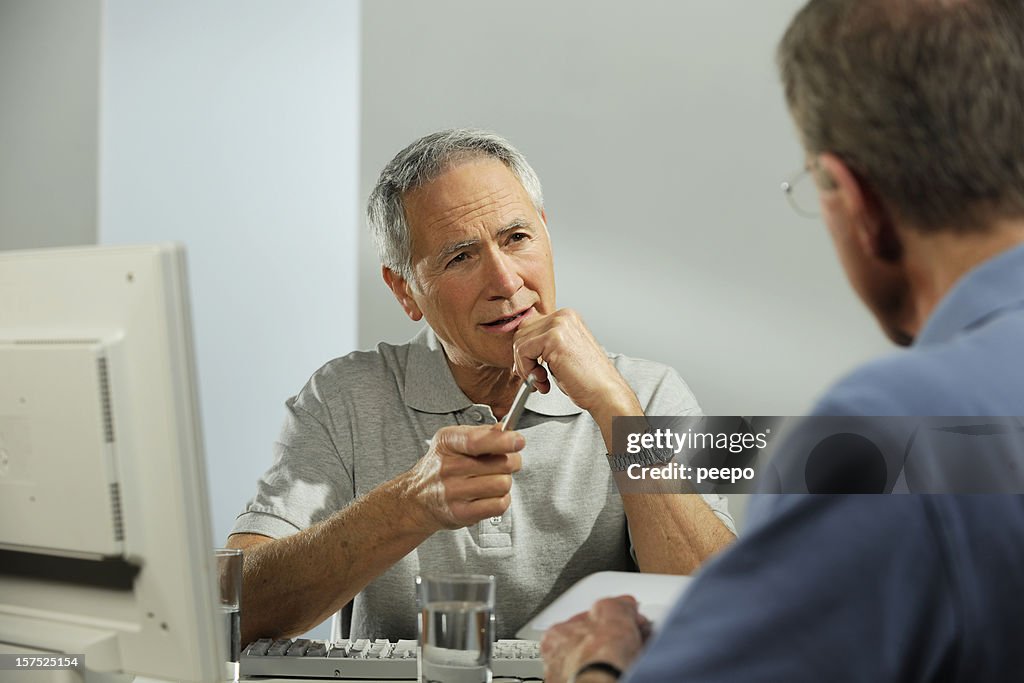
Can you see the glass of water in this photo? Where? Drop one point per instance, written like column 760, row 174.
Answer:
column 229, row 582
column 456, row 627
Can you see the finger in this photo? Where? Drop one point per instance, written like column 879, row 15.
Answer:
column 542, row 379
column 548, row 642
column 646, row 628
column 560, row 335
column 484, row 440
column 558, row 634
column 552, row 641
column 615, row 607
column 526, row 354
column 477, row 488
column 532, row 324
column 472, row 511
column 472, row 440
column 497, row 463
column 529, row 335
column 480, row 465
column 524, row 366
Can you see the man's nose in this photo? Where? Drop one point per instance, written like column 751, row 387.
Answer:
column 503, row 275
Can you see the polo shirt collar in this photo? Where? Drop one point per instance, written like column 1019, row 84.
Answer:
column 983, row 293
column 429, row 384
column 431, row 388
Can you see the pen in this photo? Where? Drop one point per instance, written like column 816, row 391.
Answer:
column 510, row 421
column 518, row 404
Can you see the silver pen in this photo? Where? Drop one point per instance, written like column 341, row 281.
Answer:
column 512, row 418
column 518, row 404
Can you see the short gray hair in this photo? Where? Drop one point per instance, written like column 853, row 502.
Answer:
column 421, row 162
column 922, row 99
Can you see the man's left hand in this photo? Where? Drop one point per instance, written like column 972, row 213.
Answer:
column 613, row 631
column 583, row 370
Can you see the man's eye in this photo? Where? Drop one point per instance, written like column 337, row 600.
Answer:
column 459, row 258
column 518, row 237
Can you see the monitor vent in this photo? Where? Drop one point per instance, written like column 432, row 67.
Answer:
column 34, row 342
column 108, row 413
column 115, row 507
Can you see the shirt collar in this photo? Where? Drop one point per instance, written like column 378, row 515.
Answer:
column 429, row 384
column 431, row 388
column 981, row 294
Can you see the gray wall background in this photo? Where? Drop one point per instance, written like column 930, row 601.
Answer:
column 231, row 126
column 49, row 118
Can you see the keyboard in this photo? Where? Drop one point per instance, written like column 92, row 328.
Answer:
column 372, row 659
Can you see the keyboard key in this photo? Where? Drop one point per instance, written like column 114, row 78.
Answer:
column 405, row 649
column 352, row 659
column 380, row 649
column 359, row 648
column 259, row 648
column 340, row 648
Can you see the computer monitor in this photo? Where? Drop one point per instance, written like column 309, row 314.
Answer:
column 105, row 534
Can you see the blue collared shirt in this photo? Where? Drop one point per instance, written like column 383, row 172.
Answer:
column 879, row 588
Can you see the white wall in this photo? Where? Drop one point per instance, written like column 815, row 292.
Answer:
column 49, row 95
column 231, row 127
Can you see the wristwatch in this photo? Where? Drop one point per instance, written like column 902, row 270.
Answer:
column 604, row 667
column 647, row 457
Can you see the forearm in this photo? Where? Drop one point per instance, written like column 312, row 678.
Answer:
column 620, row 401
column 292, row 584
column 673, row 533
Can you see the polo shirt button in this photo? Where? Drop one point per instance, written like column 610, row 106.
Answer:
column 476, row 416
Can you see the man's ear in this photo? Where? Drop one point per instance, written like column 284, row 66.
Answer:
column 400, row 287
column 860, row 208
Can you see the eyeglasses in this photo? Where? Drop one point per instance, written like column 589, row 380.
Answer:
column 802, row 193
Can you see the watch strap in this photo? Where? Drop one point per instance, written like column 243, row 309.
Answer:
column 604, row 667
column 646, row 457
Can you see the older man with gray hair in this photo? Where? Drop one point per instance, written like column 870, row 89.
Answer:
column 390, row 463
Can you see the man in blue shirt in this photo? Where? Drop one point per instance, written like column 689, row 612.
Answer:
column 912, row 115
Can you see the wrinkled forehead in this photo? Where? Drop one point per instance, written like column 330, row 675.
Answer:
column 477, row 193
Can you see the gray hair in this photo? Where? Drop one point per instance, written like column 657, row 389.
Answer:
column 421, row 162
column 922, row 99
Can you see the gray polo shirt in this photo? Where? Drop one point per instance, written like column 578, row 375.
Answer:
column 365, row 418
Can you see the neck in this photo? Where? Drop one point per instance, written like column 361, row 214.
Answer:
column 936, row 262
column 490, row 386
